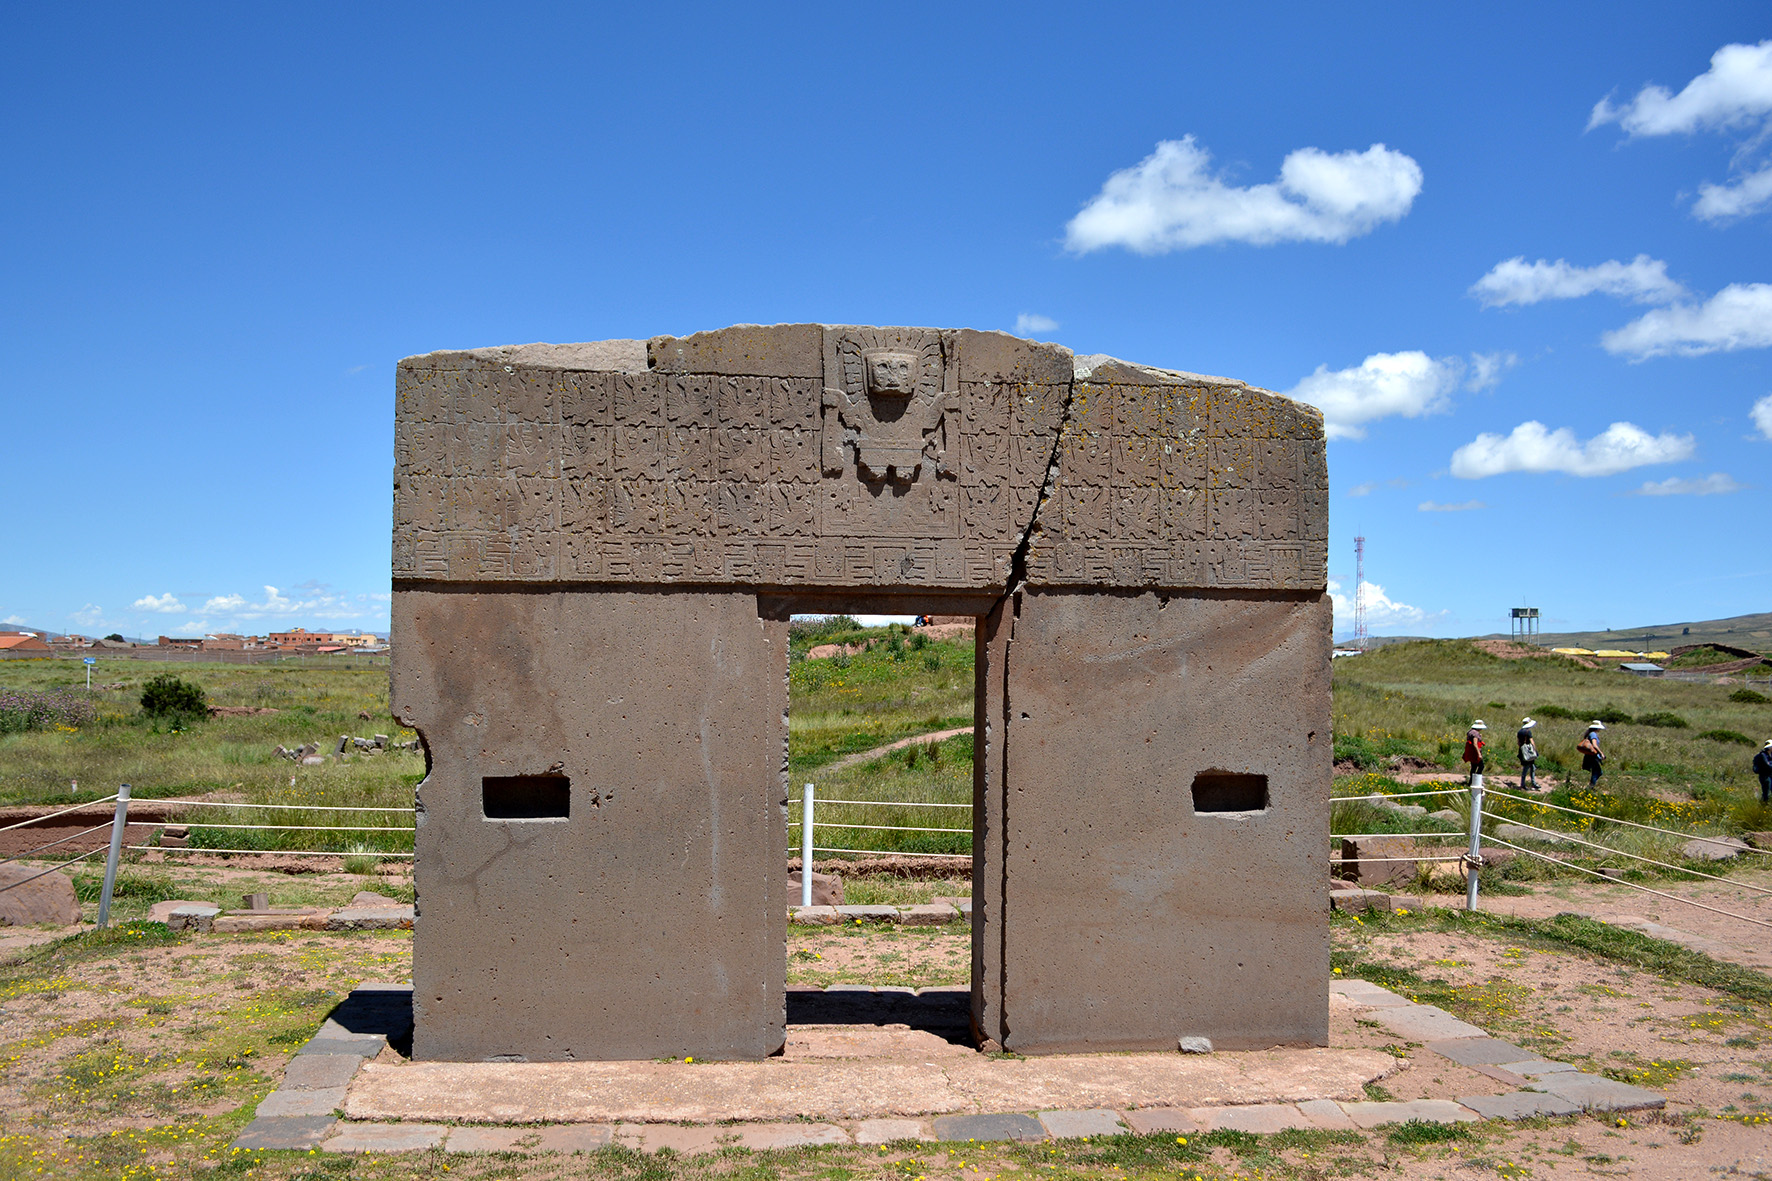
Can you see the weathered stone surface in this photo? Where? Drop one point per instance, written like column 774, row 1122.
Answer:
column 1325, row 1113
column 384, row 1137
column 597, row 548
column 1479, row 1051
column 1194, row 1045
column 369, row 898
column 1260, row 1117
column 1519, row 1105
column 867, row 914
column 761, row 1136
column 371, row 918
column 302, row 1102
column 885, row 1131
column 827, row 889
column 1425, row 1023
column 1095, row 1122
column 235, row 924
column 930, row 915
column 160, row 912
column 1434, row 1111
column 816, row 916
column 1358, row 900
column 194, row 917
column 1598, row 1094
column 318, row 1072
column 551, row 1138
column 1379, row 861
column 1367, row 994
column 285, row 1132
column 1000, row 1126
column 48, row 898
column 1147, row 1120
column 658, row 1137
column 1714, row 849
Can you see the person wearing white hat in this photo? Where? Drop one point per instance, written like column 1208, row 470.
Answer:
column 1763, row 768
column 1473, row 746
column 1528, row 755
column 1591, row 755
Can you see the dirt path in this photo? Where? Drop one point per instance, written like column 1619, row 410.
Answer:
column 867, row 756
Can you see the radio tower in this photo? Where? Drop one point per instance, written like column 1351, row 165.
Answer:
column 1360, row 593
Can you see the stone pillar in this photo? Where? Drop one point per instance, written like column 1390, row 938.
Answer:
column 649, row 920
column 1153, row 822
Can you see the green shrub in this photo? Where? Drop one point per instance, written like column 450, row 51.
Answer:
column 1749, row 697
column 1735, row 736
column 1664, row 719
column 1550, row 711
column 167, row 697
column 1612, row 716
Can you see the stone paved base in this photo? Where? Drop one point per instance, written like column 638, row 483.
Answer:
column 879, row 1084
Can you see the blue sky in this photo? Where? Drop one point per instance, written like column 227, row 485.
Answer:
column 224, row 225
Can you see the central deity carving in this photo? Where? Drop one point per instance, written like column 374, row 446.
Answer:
column 889, row 417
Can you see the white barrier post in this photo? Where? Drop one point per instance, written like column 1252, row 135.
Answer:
column 806, row 798
column 118, row 823
column 1473, row 859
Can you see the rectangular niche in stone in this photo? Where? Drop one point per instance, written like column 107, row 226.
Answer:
column 526, row 797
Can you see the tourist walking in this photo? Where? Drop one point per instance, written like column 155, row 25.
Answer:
column 1763, row 768
column 1528, row 755
column 1591, row 755
column 1473, row 748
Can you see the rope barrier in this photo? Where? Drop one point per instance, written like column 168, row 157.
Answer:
column 311, row 827
column 881, row 852
column 291, row 807
column 1367, row 836
column 268, row 852
column 50, row 870
column 881, row 803
column 1615, row 881
column 1563, row 836
column 817, row 824
column 53, row 844
column 1376, row 860
column 76, row 808
column 1400, row 795
column 1609, row 820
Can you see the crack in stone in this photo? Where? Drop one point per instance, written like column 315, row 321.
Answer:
column 1018, row 563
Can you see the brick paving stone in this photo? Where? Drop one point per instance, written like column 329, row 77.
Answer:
column 1479, row 1051
column 885, row 1131
column 1539, row 1069
column 385, row 1137
column 995, row 1126
column 485, row 1139
column 1147, row 1120
column 1252, row 1117
column 1425, row 1023
column 814, row 916
column 310, row 1102
column 285, row 1131
column 1362, row 992
column 1519, row 1105
column 319, row 1072
column 547, row 1138
column 1433, row 1111
column 656, row 1137
column 1097, row 1122
column 926, row 916
column 1598, row 1094
column 868, row 914
column 1326, row 1113
column 758, row 1136
column 355, row 1047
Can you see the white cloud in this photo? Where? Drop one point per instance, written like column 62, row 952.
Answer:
column 1486, row 370
column 1384, row 385
column 1714, row 484
column 1357, row 490
column 1737, row 317
column 18, row 620
column 1428, row 506
column 277, row 605
column 1720, row 203
column 1030, row 324
column 1735, row 92
column 1533, row 448
column 1171, row 200
column 1381, row 610
column 92, row 615
column 1761, row 414
column 166, row 604
column 1517, row 281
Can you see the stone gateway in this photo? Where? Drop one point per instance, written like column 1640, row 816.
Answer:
column 597, row 548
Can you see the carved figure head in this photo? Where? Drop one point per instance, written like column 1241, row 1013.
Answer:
column 890, row 373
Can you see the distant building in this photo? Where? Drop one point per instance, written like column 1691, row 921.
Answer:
column 23, row 642
column 192, row 642
column 1635, row 668
column 299, row 637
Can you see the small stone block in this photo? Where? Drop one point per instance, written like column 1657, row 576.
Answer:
column 885, row 1131
column 193, row 918
column 385, row 1137
column 1354, row 900
column 285, row 1132
column 1148, row 1120
column 1425, row 1023
column 1326, row 1113
column 1598, row 1094
column 868, row 914
column 760, row 1136
column 311, row 1102
column 1479, row 1051
column 1069, row 1124
column 1538, row 1069
column 1432, row 1111
column 571, row 1137
column 1519, row 1105
column 1254, row 1117
column 371, row 918
column 926, row 916
column 814, row 916
column 353, row 1047
column 994, row 1126
column 243, row 924
column 1194, row 1045
column 319, row 1072
column 486, row 1139
column 656, row 1137
column 1367, row 994
column 263, row 901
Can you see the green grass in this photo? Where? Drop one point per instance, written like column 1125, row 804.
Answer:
column 897, row 688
